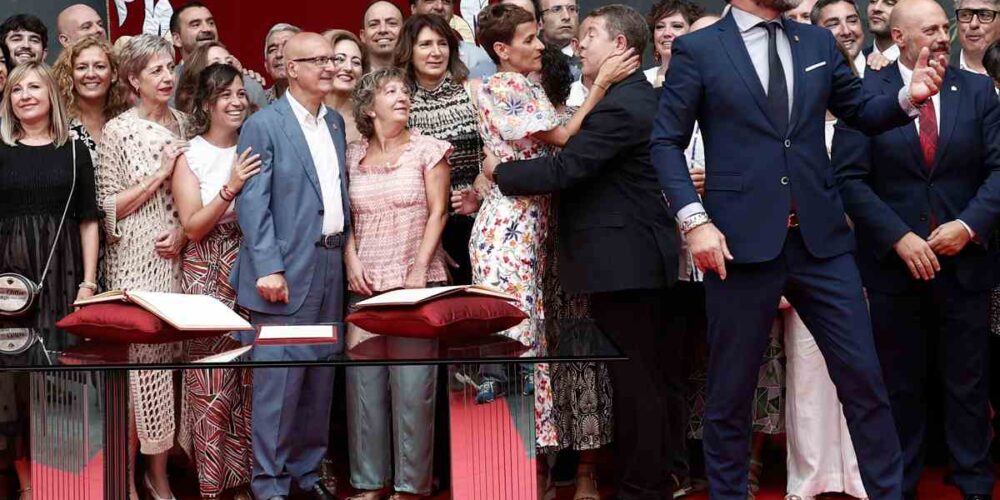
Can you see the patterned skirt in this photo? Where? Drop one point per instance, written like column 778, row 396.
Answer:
column 216, row 408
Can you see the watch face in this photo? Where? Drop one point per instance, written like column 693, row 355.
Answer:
column 16, row 293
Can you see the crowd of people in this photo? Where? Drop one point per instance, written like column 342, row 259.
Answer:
column 756, row 220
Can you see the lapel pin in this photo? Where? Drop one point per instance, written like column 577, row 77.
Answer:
column 954, row 88
column 795, row 37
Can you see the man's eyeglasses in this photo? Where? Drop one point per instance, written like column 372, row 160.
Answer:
column 320, row 61
column 560, row 9
column 985, row 16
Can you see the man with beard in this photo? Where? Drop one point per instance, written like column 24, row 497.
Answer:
column 802, row 13
column 191, row 25
column 977, row 29
column 842, row 19
column 772, row 222
column 274, row 58
column 878, row 24
column 25, row 38
column 475, row 58
column 380, row 32
column 924, row 199
column 79, row 21
column 558, row 21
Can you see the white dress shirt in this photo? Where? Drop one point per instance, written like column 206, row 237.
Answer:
column 892, row 53
column 324, row 157
column 963, row 65
column 860, row 64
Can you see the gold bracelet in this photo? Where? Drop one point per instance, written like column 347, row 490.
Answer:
column 605, row 87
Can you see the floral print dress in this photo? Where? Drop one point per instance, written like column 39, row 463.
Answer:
column 508, row 239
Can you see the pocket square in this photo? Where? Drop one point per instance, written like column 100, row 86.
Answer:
column 814, row 66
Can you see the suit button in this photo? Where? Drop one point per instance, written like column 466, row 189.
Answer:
column 784, row 181
column 788, row 143
column 923, row 217
column 321, row 212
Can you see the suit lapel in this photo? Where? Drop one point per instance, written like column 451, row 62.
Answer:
column 892, row 81
column 339, row 143
column 792, row 32
column 950, row 98
column 732, row 42
column 293, row 130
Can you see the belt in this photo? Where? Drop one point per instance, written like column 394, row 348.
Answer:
column 793, row 220
column 331, row 241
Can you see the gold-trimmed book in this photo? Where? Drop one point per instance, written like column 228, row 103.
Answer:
column 413, row 296
column 182, row 311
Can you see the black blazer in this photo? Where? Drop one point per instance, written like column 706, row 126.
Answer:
column 888, row 191
column 614, row 229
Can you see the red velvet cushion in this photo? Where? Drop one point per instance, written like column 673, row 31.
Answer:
column 447, row 317
column 125, row 323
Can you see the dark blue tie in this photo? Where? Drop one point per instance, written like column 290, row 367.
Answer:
column 777, row 88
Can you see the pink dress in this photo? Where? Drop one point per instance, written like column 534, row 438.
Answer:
column 508, row 238
column 389, row 210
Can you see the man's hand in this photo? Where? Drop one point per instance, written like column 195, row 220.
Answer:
column 273, row 288
column 927, row 76
column 708, row 246
column 918, row 256
column 697, row 172
column 490, row 163
column 877, row 61
column 949, row 239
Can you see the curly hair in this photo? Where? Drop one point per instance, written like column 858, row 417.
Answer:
column 364, row 97
column 115, row 103
column 212, row 82
column 188, row 82
column 556, row 76
column 688, row 10
column 412, row 28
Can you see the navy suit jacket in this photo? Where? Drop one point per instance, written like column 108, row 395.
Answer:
column 752, row 171
column 888, row 190
column 280, row 210
column 614, row 231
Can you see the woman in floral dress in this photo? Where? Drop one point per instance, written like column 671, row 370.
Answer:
column 518, row 122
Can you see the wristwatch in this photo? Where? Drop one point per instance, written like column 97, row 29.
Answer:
column 693, row 221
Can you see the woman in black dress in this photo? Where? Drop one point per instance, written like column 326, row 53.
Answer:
column 36, row 177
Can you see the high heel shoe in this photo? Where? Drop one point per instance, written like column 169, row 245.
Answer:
column 152, row 491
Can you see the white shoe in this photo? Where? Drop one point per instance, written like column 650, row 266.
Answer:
column 152, row 491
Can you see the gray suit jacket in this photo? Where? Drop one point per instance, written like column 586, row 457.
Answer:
column 280, row 210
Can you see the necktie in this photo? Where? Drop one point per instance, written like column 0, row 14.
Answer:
column 928, row 133
column 777, row 87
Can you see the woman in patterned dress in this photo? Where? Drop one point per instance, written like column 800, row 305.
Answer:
column 215, row 408
column 136, row 157
column 517, row 122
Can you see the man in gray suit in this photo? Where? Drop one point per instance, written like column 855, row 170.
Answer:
column 294, row 215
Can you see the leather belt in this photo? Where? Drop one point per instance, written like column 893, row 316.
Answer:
column 331, row 241
column 793, row 220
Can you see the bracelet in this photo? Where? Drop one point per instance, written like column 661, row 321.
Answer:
column 226, row 195
column 89, row 285
column 695, row 220
column 605, row 87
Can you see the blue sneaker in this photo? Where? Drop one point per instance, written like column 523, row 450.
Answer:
column 488, row 391
column 529, row 384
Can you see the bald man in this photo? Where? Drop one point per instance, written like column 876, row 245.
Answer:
column 380, row 28
column 79, row 21
column 924, row 199
column 294, row 217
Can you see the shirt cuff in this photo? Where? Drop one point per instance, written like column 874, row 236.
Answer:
column 972, row 234
column 689, row 210
column 904, row 102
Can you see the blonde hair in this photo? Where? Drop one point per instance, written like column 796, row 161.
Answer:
column 115, row 102
column 10, row 126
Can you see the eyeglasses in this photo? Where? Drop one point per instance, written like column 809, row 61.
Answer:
column 559, row 9
column 320, row 61
column 985, row 16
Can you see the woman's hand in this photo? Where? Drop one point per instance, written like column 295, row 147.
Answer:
column 168, row 157
column 416, row 278
column 84, row 293
column 245, row 166
column 617, row 68
column 170, row 242
column 358, row 280
column 465, row 201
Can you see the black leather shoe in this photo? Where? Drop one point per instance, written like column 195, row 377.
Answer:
column 319, row 492
column 978, row 497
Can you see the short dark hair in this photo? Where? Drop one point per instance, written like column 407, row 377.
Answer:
column 497, row 23
column 212, row 82
column 625, row 21
column 557, row 77
column 408, row 39
column 175, row 18
column 665, row 8
column 822, row 4
column 24, row 22
column 991, row 60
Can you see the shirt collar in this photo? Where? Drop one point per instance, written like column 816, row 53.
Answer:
column 746, row 21
column 892, row 53
column 301, row 114
column 568, row 50
column 905, row 73
column 962, row 64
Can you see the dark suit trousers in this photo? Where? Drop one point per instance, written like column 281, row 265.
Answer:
column 455, row 241
column 638, row 321
column 291, row 405
column 943, row 316
column 827, row 294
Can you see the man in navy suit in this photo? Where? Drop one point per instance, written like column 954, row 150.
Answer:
column 759, row 88
column 924, row 199
column 294, row 215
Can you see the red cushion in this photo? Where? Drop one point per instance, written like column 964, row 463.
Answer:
column 447, row 317
column 125, row 323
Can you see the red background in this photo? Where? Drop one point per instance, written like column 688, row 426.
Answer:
column 243, row 24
